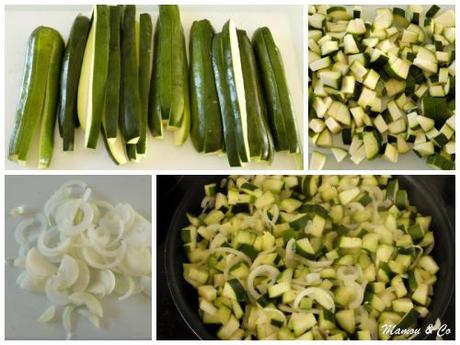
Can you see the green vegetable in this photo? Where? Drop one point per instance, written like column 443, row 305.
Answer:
column 277, row 96
column 70, row 75
column 130, row 101
column 259, row 136
column 93, row 77
column 206, row 131
column 145, row 69
column 171, row 63
column 39, row 96
column 111, row 115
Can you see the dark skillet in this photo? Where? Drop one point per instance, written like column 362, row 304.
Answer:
column 427, row 201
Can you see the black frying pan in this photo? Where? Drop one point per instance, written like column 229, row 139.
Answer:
column 427, row 201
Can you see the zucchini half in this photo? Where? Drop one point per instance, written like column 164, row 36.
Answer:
column 93, row 76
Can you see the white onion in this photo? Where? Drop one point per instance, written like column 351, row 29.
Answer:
column 71, row 250
column 271, row 271
column 37, row 265
column 44, row 247
column 48, row 314
column 53, row 292
column 82, row 281
column 67, row 320
column 67, row 273
column 88, row 300
column 232, row 251
column 318, row 294
column 91, row 317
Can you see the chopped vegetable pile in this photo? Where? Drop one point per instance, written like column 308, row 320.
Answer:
column 386, row 85
column 311, row 257
column 79, row 250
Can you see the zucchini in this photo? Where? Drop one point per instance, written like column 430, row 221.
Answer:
column 93, row 77
column 70, row 75
column 230, row 89
column 39, row 96
column 110, row 118
column 145, row 70
column 206, row 130
column 154, row 108
column 130, row 100
column 276, row 91
column 113, row 140
column 259, row 136
column 171, row 62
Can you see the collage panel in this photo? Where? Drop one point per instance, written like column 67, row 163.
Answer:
column 190, row 92
column 381, row 86
column 310, row 257
column 78, row 257
column 93, row 87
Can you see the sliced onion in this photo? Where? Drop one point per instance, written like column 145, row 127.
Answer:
column 320, row 295
column 97, row 261
column 138, row 261
column 48, row 314
column 28, row 282
column 131, row 287
column 103, row 284
column 140, row 232
column 83, row 279
column 68, row 272
column 270, row 271
column 54, row 293
column 28, row 229
column 88, row 300
column 126, row 212
column 278, row 312
column 43, row 244
column 37, row 265
column 67, row 320
column 228, row 250
column 91, row 317
column 66, row 213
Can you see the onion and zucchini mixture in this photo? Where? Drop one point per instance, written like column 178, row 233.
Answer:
column 78, row 250
column 386, row 86
column 311, row 257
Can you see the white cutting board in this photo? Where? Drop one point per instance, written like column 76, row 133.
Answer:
column 408, row 161
column 128, row 319
column 286, row 23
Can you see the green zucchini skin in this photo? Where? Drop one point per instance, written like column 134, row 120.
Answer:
column 259, row 136
column 145, row 70
column 154, row 109
column 70, row 76
column 206, row 131
column 238, row 101
column 49, row 112
column 276, row 91
column 171, row 64
column 130, row 97
column 44, row 45
column 223, row 92
column 111, row 114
